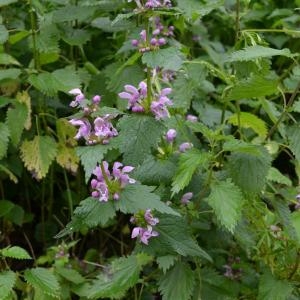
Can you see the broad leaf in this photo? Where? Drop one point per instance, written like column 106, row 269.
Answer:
column 6, row 59
column 5, row 207
column 15, row 252
column 166, row 262
column 7, row 282
column 227, row 200
column 71, row 275
column 72, row 13
column 4, row 138
column 294, row 141
column 10, row 73
column 43, row 279
column 248, row 170
column 136, row 197
column 189, row 162
column 177, row 283
column 38, row 155
column 275, row 176
column 137, row 136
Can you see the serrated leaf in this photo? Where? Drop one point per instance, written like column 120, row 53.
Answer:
column 183, row 276
column 138, row 134
column 189, row 162
column 296, row 106
column 253, row 87
column 123, row 274
column 4, row 138
column 38, row 155
column 255, row 52
column 6, row 59
column 15, row 121
column 10, row 73
column 9, row 173
column 136, row 197
column 43, row 279
column 71, row 275
column 7, row 282
column 3, row 34
column 76, row 37
column 15, row 252
column 166, row 262
column 275, row 176
column 249, row 170
column 45, row 83
column 24, row 98
column 90, row 156
column 67, row 158
column 168, row 59
column 234, row 145
column 248, row 120
column 273, row 288
column 107, row 25
column 175, row 233
column 294, row 140
column 227, row 200
column 72, row 13
column 295, row 217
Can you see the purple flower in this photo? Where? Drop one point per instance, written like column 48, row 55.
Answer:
column 144, row 234
column 185, row 199
column 134, row 43
column 96, row 99
column 185, row 146
column 149, row 218
column 134, row 96
column 171, row 135
column 191, row 118
column 121, row 174
column 159, row 108
column 101, row 192
column 152, row 4
column 84, row 128
column 143, row 35
column 103, row 127
column 78, row 99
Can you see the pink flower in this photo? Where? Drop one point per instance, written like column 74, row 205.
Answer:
column 171, row 135
column 185, row 199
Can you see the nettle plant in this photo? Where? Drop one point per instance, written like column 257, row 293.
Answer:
column 190, row 147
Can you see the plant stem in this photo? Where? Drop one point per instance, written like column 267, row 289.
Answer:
column 33, row 31
column 69, row 195
column 237, row 20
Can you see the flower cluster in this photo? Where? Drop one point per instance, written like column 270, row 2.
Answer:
column 108, row 183
column 232, row 269
column 153, row 4
column 144, row 231
column 137, row 97
column 170, row 138
column 157, row 39
column 92, row 130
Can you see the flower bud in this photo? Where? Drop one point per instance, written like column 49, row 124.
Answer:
column 171, row 135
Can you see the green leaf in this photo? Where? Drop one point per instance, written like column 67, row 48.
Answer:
column 296, row 106
column 15, row 252
column 189, row 162
column 248, row 120
column 72, row 13
column 38, row 155
column 174, row 232
column 71, row 275
column 123, row 274
column 178, row 283
column 136, row 197
column 253, row 87
column 10, row 73
column 273, row 288
column 68, row 78
column 43, row 279
column 294, row 141
column 90, row 156
column 6, row 59
column 5, row 207
column 138, row 134
column 296, row 222
column 76, row 37
column 4, row 138
column 227, row 200
column 107, row 25
column 16, row 121
column 275, row 176
column 248, row 170
column 254, row 52
column 166, row 262
column 45, row 83
column 7, row 282
column 3, row 34
column 168, row 59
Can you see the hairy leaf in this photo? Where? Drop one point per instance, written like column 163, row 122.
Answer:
column 248, row 120
column 137, row 197
column 166, row 262
column 70, row 274
column 138, row 134
column 177, row 283
column 227, row 200
column 72, row 13
column 7, row 282
column 275, row 176
column 43, row 279
column 189, row 162
column 38, row 155
column 294, row 141
column 4, row 138
column 15, row 252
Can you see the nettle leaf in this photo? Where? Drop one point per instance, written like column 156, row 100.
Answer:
column 6, row 59
column 273, row 288
column 72, row 13
column 38, row 155
column 4, row 139
column 90, row 156
column 189, row 162
column 248, row 170
column 248, row 120
column 116, row 280
column 75, row 36
column 138, row 134
column 294, row 140
column 3, row 34
column 227, row 200
column 253, row 87
column 43, row 279
column 107, row 25
column 275, row 176
column 175, row 233
column 15, row 252
column 66, row 157
column 295, row 217
column 166, row 262
column 71, row 275
column 10, row 73
column 168, row 59
column 177, row 283
column 16, row 120
column 257, row 51
column 7, row 282
column 136, row 197
column 7, row 2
